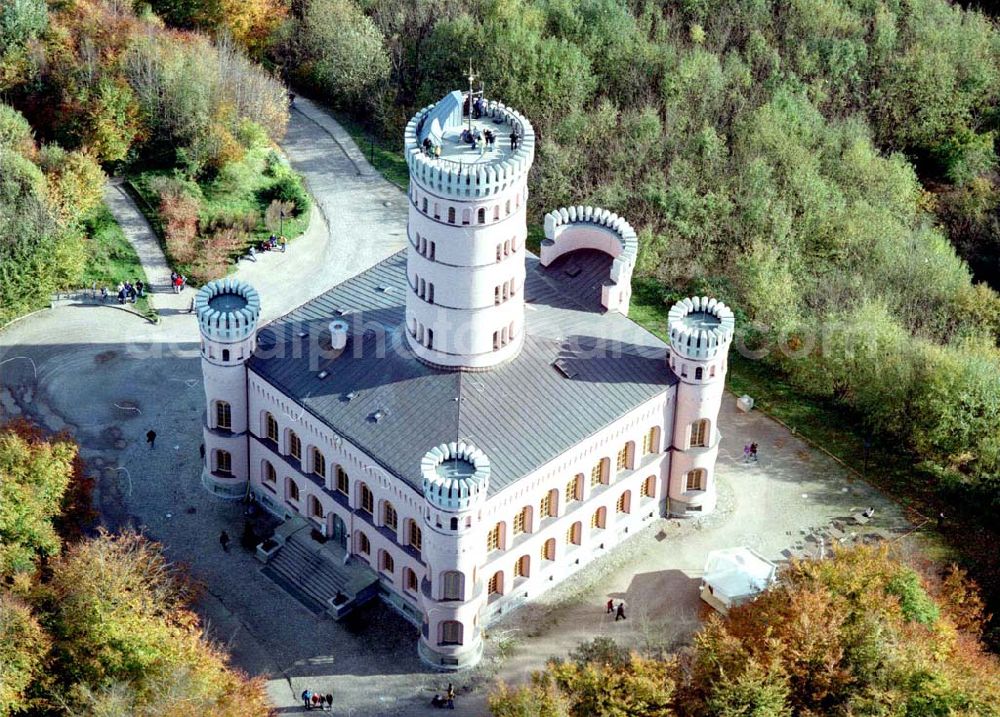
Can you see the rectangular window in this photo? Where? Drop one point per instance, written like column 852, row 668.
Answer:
column 699, row 433
column 223, row 416
column 294, row 446
column 696, row 479
column 451, row 632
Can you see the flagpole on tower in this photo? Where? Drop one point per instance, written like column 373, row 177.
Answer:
column 472, row 77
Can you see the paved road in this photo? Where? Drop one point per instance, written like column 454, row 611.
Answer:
column 108, row 377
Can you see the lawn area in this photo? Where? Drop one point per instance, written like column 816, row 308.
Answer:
column 384, row 155
column 223, row 216
column 110, row 258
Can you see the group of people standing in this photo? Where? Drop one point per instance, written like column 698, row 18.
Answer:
column 446, row 702
column 314, row 700
column 178, row 282
column 127, row 291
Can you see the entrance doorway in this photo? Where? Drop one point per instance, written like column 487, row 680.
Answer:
column 338, row 531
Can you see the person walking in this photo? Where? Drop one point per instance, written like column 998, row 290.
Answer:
column 753, row 452
column 329, row 701
column 224, row 541
column 620, row 613
column 610, row 606
column 317, row 701
column 151, row 438
column 746, row 452
column 307, row 696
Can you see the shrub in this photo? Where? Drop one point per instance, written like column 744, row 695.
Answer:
column 288, row 188
column 179, row 213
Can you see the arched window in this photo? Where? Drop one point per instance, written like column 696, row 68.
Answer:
column 466, row 214
column 574, row 533
column 292, row 491
column 695, row 479
column 451, row 215
column 437, row 211
column 315, row 507
column 223, row 462
column 597, row 475
column 522, row 521
column 389, row 518
column 386, row 563
column 649, row 487
column 547, row 505
column 522, row 568
column 698, row 373
column 711, row 371
column 343, row 484
column 599, row 518
column 423, row 205
column 267, row 473
column 622, row 460
column 699, row 433
column 454, row 523
column 495, row 538
column 451, row 632
column 414, row 538
column 409, row 580
column 294, row 446
column 453, row 585
column 624, row 504
column 225, row 354
column 574, row 488
column 364, row 545
column 496, row 213
column 481, row 215
column 507, row 208
column 549, row 549
column 223, row 416
column 495, row 585
column 318, row 463
column 651, row 441
column 270, row 427
column 499, row 252
column 366, row 499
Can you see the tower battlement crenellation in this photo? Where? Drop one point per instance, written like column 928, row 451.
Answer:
column 485, row 176
column 228, row 310
column 455, row 476
column 700, row 327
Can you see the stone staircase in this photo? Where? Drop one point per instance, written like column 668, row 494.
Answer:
column 315, row 574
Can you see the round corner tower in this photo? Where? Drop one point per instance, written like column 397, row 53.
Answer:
column 467, row 228
column 228, row 311
column 456, row 479
column 701, row 331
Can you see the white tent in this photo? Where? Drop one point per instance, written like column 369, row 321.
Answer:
column 734, row 576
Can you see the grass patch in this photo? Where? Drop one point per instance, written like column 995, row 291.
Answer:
column 237, row 197
column 385, row 155
column 110, row 257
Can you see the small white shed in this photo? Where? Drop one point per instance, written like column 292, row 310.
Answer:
column 734, row 576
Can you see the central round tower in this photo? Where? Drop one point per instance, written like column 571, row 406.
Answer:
column 467, row 227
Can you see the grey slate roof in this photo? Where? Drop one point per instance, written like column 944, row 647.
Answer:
column 521, row 414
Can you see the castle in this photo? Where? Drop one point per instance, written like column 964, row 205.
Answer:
column 466, row 422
